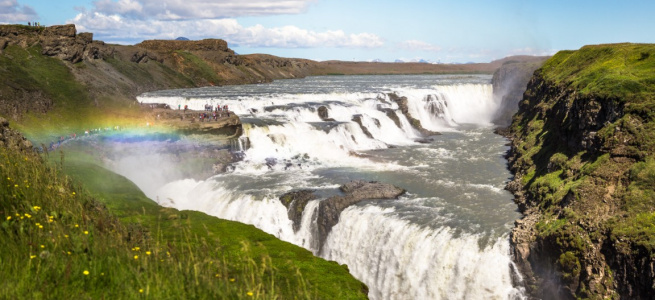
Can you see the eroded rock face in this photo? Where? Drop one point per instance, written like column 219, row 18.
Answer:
column 509, row 83
column 11, row 138
column 330, row 209
column 323, row 113
column 595, row 264
column 61, row 41
column 295, row 203
column 402, row 104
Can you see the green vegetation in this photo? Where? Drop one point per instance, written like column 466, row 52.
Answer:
column 603, row 96
column 35, row 84
column 197, row 68
column 622, row 71
column 107, row 240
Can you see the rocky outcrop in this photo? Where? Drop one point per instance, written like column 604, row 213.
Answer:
column 330, row 209
column 295, row 203
column 355, row 191
column 358, row 119
column 580, row 153
column 12, row 139
column 61, row 41
column 402, row 105
column 323, row 114
column 509, row 83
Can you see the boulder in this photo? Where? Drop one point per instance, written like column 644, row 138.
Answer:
column 355, row 191
column 323, row 114
column 402, row 104
column 295, row 203
column 12, row 139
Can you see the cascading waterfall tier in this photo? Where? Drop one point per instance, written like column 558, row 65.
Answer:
column 445, row 239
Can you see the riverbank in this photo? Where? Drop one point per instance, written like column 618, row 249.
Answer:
column 71, row 227
column 582, row 155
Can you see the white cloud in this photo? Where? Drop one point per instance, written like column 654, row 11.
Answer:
column 415, row 45
column 198, row 9
column 116, row 28
column 11, row 12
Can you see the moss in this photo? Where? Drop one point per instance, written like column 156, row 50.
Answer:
column 622, row 71
column 569, row 265
column 197, row 69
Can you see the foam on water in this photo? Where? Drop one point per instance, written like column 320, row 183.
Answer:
column 410, row 248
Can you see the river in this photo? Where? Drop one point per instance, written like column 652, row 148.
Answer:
column 446, row 238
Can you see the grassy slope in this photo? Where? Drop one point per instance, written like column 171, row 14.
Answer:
column 73, row 109
column 588, row 197
column 54, row 231
column 202, row 247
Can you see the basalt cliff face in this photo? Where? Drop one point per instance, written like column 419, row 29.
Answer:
column 582, row 151
column 509, row 83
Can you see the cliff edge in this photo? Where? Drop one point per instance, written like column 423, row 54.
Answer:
column 582, row 153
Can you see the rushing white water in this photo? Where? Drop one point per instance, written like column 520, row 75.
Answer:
column 445, row 239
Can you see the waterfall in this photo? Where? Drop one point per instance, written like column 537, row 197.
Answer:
column 287, row 146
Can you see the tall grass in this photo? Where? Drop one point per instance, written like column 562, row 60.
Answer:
column 59, row 242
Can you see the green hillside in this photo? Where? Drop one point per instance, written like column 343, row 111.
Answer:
column 583, row 145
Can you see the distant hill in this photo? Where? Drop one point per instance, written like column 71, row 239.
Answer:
column 181, row 38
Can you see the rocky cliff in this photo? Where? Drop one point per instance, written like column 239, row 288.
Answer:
column 509, row 83
column 582, row 153
column 330, row 209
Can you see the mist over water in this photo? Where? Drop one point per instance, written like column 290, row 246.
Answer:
column 447, row 238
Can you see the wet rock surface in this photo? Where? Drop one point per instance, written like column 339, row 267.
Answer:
column 330, row 209
column 402, row 104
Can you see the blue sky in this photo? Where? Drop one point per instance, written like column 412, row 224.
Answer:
column 362, row 30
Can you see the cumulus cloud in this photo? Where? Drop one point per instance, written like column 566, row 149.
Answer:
column 197, row 9
column 415, row 45
column 12, row 12
column 122, row 29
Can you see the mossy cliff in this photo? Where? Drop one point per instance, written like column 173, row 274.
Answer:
column 582, row 154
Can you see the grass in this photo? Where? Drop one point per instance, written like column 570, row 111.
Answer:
column 32, row 75
column 623, row 71
column 107, row 240
column 597, row 197
column 196, row 68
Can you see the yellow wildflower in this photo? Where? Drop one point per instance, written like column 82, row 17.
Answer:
column 32, row 256
column 73, row 193
column 249, row 294
column 86, row 272
column 15, row 185
column 68, row 252
column 37, row 208
column 28, row 215
column 40, row 226
column 42, row 246
column 66, row 235
column 148, row 252
column 140, row 290
column 136, row 257
column 86, row 232
column 8, row 218
column 232, row 279
column 77, row 225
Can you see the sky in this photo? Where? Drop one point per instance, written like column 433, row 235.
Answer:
column 439, row 31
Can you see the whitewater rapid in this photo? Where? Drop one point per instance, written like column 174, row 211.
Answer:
column 447, row 238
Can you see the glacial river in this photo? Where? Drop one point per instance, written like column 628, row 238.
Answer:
column 446, row 238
